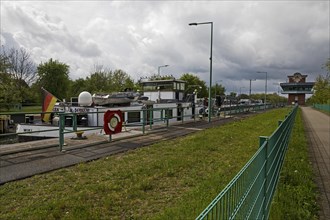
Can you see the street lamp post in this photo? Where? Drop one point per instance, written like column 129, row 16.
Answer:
column 160, row 67
column 209, row 101
column 265, row 88
column 250, row 87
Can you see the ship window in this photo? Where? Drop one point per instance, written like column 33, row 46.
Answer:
column 165, row 86
column 150, row 87
column 169, row 86
column 133, row 117
column 177, row 86
column 170, row 114
column 182, row 85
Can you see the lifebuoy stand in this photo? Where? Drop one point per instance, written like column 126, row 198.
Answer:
column 113, row 122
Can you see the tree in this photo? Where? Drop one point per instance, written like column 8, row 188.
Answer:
column 321, row 90
column 322, row 87
column 233, row 94
column 8, row 95
column 22, row 70
column 243, row 96
column 77, row 86
column 120, row 81
column 98, row 82
column 54, row 77
column 260, row 96
column 218, row 89
column 35, row 94
column 104, row 80
column 4, row 63
column 326, row 66
column 276, row 100
column 194, row 82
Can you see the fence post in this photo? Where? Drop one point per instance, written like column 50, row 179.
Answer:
column 74, row 121
column 262, row 140
column 143, row 121
column 151, row 117
column 167, row 117
column 162, row 115
column 194, row 115
column 61, row 130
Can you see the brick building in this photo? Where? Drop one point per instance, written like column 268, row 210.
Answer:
column 297, row 88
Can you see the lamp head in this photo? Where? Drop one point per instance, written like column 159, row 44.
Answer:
column 193, row 24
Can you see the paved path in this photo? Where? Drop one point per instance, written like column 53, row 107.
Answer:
column 317, row 125
column 28, row 159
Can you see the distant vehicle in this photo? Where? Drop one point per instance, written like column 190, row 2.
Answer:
column 258, row 101
column 244, row 102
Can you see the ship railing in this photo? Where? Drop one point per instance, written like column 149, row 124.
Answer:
column 147, row 119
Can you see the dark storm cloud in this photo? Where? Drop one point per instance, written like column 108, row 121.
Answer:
column 39, row 29
column 280, row 37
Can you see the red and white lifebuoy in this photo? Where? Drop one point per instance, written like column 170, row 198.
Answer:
column 113, row 122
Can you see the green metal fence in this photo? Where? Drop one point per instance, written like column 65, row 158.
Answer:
column 250, row 192
column 147, row 118
column 324, row 107
column 143, row 122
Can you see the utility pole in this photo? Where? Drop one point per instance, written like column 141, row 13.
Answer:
column 250, row 87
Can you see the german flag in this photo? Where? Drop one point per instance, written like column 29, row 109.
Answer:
column 49, row 101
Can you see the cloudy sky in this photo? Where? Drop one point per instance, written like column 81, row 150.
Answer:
column 279, row 37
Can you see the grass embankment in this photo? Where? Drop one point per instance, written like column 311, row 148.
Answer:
column 175, row 179
column 324, row 111
column 295, row 197
column 32, row 109
column 29, row 109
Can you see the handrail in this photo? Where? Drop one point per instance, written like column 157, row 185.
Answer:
column 163, row 117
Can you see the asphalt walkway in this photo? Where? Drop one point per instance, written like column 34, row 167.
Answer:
column 22, row 160
column 317, row 126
